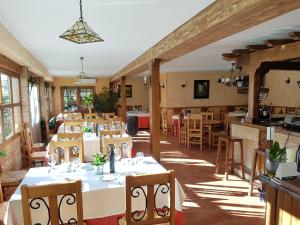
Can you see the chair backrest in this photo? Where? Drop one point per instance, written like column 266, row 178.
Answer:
column 29, row 143
column 194, row 123
column 109, row 133
column 207, row 115
column 121, row 145
column 68, row 146
column 71, row 116
column 90, row 122
column 107, row 115
column 52, row 197
column 90, row 115
column 116, row 123
column 74, row 125
column 152, row 189
column 164, row 120
column 104, row 124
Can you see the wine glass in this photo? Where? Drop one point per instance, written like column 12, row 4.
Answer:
column 52, row 161
column 139, row 157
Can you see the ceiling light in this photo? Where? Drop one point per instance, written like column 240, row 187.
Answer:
column 82, row 74
column 80, row 32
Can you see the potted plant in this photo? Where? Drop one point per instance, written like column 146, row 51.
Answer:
column 88, row 102
column 98, row 162
column 274, row 156
column 106, row 101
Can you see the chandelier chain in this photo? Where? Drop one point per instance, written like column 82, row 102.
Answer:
column 81, row 16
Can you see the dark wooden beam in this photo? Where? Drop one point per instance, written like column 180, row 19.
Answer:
column 154, row 69
column 254, row 48
column 207, row 27
column 229, row 56
column 240, row 51
column 274, row 42
column 9, row 65
column 295, row 35
column 123, row 99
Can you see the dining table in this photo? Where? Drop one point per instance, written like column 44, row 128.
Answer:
column 143, row 118
column 103, row 195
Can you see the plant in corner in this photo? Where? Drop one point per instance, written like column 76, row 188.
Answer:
column 98, row 161
column 274, row 156
column 106, row 101
column 88, row 102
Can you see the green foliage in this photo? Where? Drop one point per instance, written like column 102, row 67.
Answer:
column 88, row 100
column 87, row 129
column 105, row 102
column 99, row 159
column 277, row 154
column 2, row 153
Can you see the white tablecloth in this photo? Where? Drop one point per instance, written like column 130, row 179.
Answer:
column 100, row 198
column 137, row 113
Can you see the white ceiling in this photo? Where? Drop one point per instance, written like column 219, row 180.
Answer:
column 128, row 27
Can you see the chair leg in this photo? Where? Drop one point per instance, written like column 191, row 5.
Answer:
column 226, row 161
column 242, row 159
column 231, row 147
column 218, row 156
column 253, row 168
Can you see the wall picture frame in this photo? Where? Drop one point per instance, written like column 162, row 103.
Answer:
column 201, row 89
column 128, row 91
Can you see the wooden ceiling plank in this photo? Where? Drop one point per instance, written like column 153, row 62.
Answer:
column 275, row 42
column 240, row 51
column 207, row 27
column 257, row 47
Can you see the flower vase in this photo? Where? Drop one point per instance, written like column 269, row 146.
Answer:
column 98, row 170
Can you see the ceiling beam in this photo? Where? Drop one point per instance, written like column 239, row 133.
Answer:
column 219, row 20
column 229, row 56
column 254, row 48
column 240, row 51
column 274, row 42
column 295, row 35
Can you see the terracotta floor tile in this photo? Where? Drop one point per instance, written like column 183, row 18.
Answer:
column 210, row 199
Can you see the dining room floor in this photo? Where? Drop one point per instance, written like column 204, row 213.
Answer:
column 210, row 199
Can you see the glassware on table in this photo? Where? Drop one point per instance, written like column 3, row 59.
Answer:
column 75, row 164
column 52, row 160
column 139, row 157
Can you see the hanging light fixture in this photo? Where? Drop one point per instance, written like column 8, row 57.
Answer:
column 80, row 32
column 82, row 74
column 239, row 80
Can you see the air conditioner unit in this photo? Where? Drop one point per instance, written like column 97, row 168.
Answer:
column 86, row 81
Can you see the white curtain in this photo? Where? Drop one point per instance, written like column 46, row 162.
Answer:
column 35, row 113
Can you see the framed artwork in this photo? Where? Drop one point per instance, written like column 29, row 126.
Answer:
column 201, row 89
column 128, row 91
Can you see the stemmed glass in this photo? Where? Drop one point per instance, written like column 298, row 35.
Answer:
column 52, row 160
column 139, row 157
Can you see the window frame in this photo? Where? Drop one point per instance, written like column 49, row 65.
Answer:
column 10, row 105
column 78, row 100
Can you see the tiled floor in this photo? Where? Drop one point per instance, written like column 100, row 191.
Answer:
column 210, row 199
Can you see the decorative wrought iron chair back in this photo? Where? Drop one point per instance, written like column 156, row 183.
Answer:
column 52, row 197
column 67, row 146
column 109, row 133
column 121, row 144
column 151, row 188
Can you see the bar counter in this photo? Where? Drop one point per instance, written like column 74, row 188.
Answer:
column 282, row 201
column 253, row 135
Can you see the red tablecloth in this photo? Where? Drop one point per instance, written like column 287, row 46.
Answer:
column 113, row 220
column 175, row 123
column 143, row 122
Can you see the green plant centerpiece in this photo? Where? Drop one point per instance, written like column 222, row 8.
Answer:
column 274, row 156
column 88, row 101
column 98, row 162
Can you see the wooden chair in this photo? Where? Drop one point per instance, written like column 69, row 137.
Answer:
column 109, row 133
column 34, row 156
column 194, row 130
column 207, row 128
column 90, row 122
column 107, row 115
column 121, row 145
column 216, row 134
column 182, row 130
column 158, row 185
column 52, row 197
column 104, row 124
column 68, row 146
column 3, row 207
column 165, row 126
column 90, row 116
column 74, row 126
column 73, row 116
column 116, row 123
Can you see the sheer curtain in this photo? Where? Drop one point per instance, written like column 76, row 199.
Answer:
column 35, row 113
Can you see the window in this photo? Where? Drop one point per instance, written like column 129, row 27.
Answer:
column 10, row 110
column 73, row 97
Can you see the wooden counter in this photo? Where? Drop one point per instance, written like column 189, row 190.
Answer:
column 282, row 201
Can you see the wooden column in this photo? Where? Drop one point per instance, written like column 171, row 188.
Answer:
column 123, row 98
column 253, row 96
column 155, row 109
